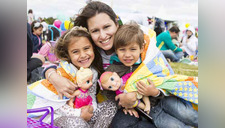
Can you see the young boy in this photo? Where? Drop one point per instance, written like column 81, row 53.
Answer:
column 128, row 44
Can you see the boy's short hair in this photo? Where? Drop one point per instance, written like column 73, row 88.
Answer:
column 128, row 33
column 174, row 29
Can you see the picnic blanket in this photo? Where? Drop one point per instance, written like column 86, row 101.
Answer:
column 155, row 67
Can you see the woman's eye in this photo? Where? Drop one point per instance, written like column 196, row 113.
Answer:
column 75, row 51
column 88, row 82
column 133, row 49
column 112, row 79
column 107, row 26
column 110, row 87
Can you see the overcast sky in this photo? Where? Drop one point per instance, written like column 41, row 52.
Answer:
column 183, row 11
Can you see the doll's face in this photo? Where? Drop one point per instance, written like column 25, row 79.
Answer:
column 86, row 83
column 113, row 83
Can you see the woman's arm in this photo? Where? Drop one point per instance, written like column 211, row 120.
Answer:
column 63, row 86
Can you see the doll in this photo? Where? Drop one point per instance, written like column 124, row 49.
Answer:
column 81, row 95
column 111, row 81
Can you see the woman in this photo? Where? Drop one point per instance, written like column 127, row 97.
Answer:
column 190, row 42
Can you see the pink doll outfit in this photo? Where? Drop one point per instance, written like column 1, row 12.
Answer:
column 83, row 99
column 123, row 82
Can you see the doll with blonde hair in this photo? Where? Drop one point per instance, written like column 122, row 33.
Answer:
column 112, row 81
column 81, row 96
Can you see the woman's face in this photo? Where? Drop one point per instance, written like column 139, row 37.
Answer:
column 189, row 33
column 81, row 52
column 102, row 30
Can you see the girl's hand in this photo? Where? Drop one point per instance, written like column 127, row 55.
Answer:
column 131, row 111
column 86, row 112
column 147, row 90
column 126, row 100
column 62, row 85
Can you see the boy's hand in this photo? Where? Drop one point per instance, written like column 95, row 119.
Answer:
column 147, row 90
column 126, row 100
column 131, row 111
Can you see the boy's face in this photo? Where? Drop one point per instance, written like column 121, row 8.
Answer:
column 129, row 54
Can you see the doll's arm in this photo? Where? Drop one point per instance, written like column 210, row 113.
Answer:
column 70, row 102
column 147, row 104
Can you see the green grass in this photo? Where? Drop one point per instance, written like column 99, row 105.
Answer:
column 184, row 69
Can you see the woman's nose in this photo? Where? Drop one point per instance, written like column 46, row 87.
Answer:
column 102, row 34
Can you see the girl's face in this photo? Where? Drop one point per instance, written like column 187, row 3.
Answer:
column 129, row 54
column 81, row 52
column 38, row 31
column 102, row 30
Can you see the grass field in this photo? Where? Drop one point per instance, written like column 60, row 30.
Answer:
column 184, row 69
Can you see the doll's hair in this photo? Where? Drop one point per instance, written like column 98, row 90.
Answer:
column 105, row 76
column 36, row 25
column 82, row 74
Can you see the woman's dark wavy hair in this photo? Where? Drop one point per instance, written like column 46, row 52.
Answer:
column 91, row 9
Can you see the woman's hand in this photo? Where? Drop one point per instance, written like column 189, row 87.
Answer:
column 86, row 112
column 131, row 111
column 63, row 86
column 127, row 100
column 147, row 90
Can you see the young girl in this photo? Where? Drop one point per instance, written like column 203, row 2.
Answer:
column 75, row 50
column 36, row 29
column 84, row 81
column 112, row 81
